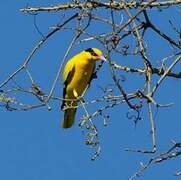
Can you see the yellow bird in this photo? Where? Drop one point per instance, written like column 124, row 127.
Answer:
column 77, row 75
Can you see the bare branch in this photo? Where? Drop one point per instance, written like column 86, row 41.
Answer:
column 98, row 4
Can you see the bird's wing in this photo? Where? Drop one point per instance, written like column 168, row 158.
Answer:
column 67, row 77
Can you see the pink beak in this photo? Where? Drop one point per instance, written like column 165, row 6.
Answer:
column 102, row 58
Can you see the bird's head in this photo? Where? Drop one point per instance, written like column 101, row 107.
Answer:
column 94, row 54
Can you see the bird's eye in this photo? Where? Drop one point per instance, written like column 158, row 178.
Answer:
column 91, row 51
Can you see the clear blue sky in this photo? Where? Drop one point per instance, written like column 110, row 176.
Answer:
column 34, row 147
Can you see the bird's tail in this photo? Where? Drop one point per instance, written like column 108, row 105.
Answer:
column 69, row 116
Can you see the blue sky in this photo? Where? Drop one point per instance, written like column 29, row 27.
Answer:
column 34, row 147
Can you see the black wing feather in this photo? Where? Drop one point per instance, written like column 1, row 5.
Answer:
column 66, row 82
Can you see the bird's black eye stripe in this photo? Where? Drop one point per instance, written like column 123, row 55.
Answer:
column 91, row 51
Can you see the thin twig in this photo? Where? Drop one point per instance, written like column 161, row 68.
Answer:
column 164, row 75
column 39, row 44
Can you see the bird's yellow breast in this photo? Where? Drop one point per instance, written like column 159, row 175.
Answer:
column 82, row 75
